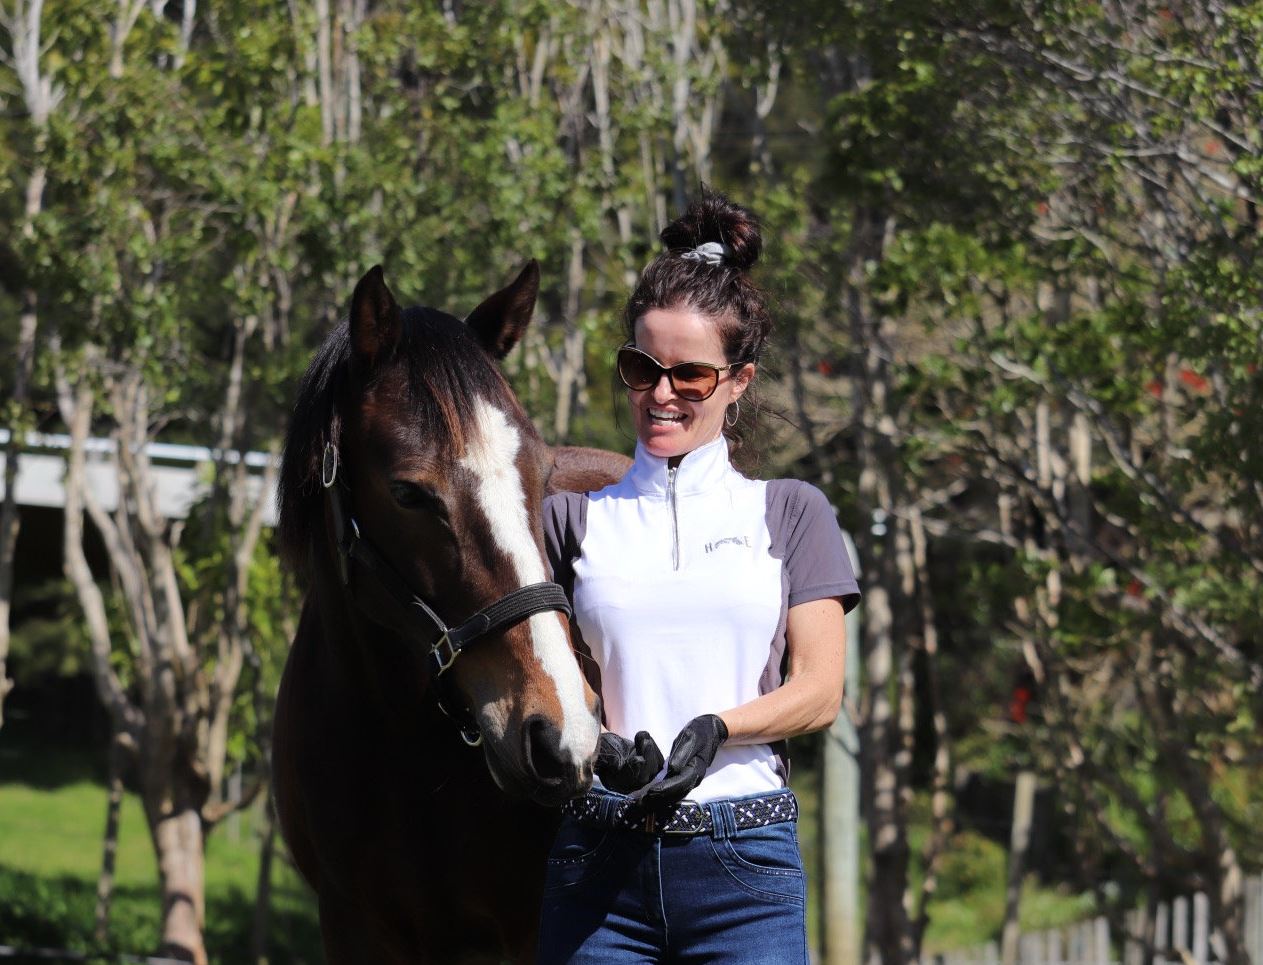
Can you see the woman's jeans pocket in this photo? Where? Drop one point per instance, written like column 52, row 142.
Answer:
column 764, row 862
column 577, row 856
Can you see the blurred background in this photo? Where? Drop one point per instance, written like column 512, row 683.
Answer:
column 1013, row 252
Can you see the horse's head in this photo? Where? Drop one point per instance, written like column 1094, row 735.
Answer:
column 443, row 475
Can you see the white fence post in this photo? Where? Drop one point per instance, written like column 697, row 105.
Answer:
column 1254, row 918
column 1133, row 947
column 1054, row 946
column 1104, row 953
column 1161, row 933
column 1179, row 925
column 1201, row 927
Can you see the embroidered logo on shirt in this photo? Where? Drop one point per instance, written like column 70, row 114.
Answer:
column 735, row 540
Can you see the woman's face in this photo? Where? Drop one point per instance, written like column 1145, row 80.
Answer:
column 666, row 424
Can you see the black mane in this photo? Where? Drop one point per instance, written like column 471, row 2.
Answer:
column 448, row 370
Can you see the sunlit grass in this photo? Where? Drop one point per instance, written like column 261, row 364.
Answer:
column 52, row 822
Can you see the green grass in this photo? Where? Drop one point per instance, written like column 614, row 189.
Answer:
column 52, row 816
column 52, row 819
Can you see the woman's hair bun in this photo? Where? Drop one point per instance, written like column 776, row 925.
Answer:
column 712, row 217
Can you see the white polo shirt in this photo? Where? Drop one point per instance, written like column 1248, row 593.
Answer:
column 681, row 580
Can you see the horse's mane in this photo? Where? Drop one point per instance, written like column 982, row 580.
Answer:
column 447, row 372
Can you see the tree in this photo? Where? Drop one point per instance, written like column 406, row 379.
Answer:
column 139, row 190
column 40, row 97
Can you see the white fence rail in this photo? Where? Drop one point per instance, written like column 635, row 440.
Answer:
column 180, row 473
column 1173, row 933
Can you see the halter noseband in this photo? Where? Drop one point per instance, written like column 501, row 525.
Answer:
column 410, row 615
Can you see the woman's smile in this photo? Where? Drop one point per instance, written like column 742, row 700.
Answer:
column 666, row 424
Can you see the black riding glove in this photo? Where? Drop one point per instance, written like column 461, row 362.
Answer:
column 691, row 754
column 624, row 766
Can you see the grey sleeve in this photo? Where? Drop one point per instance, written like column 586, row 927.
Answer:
column 565, row 523
column 564, row 517
column 816, row 562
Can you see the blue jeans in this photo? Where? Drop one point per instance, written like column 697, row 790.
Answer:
column 615, row 896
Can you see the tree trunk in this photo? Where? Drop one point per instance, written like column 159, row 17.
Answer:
column 24, row 362
column 263, row 888
column 889, row 932
column 174, row 692
column 76, row 411
column 179, row 843
column 1020, row 838
column 942, row 800
column 570, row 368
column 119, row 747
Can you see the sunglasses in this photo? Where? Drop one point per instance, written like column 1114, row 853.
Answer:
column 692, row 381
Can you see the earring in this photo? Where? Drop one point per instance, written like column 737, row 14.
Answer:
column 736, row 414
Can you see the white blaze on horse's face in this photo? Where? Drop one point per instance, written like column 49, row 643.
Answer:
column 492, row 458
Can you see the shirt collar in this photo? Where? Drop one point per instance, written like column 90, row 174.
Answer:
column 699, row 471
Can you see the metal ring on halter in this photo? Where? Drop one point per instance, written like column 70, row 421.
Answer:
column 735, row 415
column 468, row 729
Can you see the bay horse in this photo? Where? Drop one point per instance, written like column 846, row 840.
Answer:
column 410, row 495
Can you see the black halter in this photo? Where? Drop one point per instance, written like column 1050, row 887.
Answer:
column 386, row 598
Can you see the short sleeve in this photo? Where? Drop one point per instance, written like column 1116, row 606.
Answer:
column 815, row 558
column 564, row 518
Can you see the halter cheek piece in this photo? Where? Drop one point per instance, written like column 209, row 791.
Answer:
column 386, row 598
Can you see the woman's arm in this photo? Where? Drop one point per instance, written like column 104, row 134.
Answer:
column 815, row 635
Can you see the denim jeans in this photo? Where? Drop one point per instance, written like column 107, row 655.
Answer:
column 616, row 896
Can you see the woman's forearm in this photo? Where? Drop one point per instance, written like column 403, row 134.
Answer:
column 799, row 706
column 809, row 699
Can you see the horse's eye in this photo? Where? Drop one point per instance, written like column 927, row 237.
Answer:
column 411, row 495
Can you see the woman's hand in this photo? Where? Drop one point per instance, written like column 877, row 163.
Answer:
column 691, row 754
column 625, row 766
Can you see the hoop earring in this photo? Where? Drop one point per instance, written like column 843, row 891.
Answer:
column 736, row 414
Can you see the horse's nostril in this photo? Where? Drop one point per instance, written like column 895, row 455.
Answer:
column 543, row 751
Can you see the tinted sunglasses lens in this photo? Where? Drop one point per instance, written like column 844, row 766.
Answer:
column 694, row 382
column 637, row 370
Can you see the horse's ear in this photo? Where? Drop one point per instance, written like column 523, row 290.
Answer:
column 499, row 322
column 375, row 318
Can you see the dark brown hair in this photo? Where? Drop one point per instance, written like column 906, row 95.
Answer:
column 723, row 293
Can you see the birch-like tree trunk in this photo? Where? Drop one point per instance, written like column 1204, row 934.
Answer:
column 174, row 724
column 889, row 932
column 23, row 23
column 942, row 799
column 120, row 754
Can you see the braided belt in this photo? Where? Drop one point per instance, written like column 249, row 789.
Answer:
column 687, row 817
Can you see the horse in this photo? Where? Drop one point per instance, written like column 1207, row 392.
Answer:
column 410, row 493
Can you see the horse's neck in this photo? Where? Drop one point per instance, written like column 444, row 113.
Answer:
column 577, row 469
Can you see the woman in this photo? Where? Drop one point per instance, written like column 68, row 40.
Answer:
column 713, row 609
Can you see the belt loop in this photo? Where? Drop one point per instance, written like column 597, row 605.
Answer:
column 723, row 819
column 608, row 808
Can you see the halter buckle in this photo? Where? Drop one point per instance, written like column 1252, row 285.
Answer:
column 444, row 653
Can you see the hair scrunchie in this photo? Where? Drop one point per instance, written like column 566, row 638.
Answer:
column 710, row 253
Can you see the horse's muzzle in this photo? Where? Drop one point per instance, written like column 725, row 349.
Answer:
column 552, row 775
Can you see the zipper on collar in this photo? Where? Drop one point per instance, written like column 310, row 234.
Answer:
column 675, row 519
